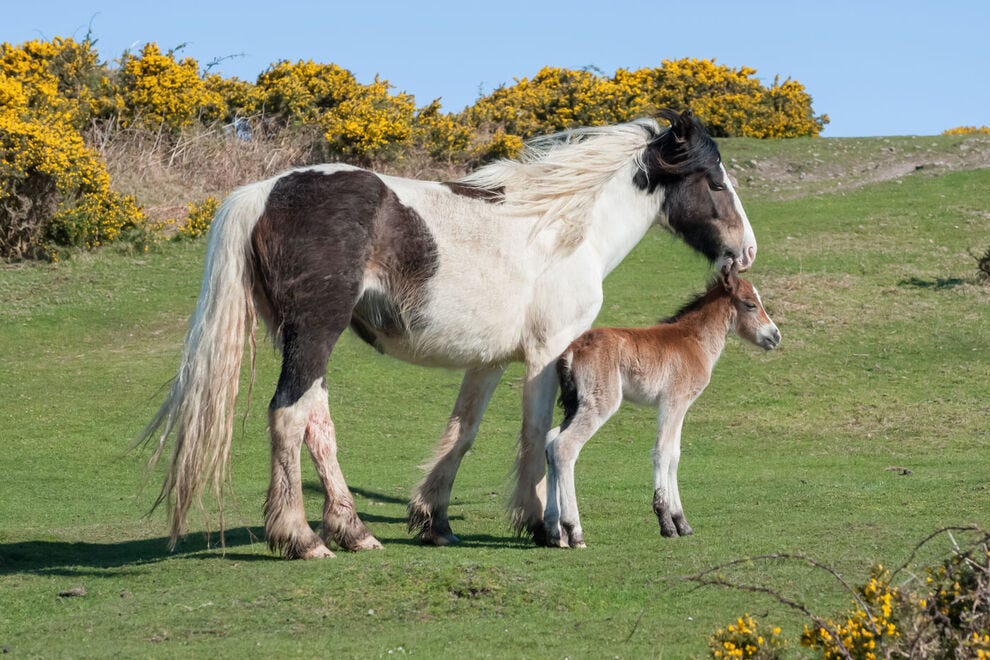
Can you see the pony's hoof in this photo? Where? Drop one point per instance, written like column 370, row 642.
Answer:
column 539, row 535
column 367, row 543
column 318, row 551
column 437, row 539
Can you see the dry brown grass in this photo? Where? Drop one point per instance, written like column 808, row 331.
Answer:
column 167, row 172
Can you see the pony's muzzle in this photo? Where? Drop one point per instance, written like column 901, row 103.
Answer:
column 747, row 257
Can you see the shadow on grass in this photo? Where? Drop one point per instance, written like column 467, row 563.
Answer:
column 80, row 558
column 939, row 283
column 240, row 544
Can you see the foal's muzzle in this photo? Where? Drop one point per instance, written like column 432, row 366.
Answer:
column 769, row 340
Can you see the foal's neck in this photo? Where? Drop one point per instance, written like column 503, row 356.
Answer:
column 710, row 321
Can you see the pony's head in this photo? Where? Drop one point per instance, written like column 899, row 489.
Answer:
column 752, row 322
column 699, row 203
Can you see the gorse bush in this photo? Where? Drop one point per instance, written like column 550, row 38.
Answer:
column 940, row 611
column 746, row 639
column 731, row 102
column 54, row 190
column 155, row 90
column 968, row 130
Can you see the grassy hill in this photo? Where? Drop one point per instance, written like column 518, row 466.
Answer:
column 865, row 432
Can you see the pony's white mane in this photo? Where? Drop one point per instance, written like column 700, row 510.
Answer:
column 558, row 177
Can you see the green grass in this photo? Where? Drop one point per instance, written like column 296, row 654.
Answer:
column 883, row 364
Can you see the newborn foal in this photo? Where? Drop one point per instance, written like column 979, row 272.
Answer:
column 667, row 365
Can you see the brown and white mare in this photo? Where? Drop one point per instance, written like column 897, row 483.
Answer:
column 667, row 365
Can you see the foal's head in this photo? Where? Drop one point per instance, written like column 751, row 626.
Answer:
column 752, row 322
column 699, row 204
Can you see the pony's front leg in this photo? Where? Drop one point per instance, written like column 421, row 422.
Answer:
column 666, row 456
column 430, row 500
column 526, row 509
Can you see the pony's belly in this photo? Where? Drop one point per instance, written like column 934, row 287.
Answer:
column 458, row 352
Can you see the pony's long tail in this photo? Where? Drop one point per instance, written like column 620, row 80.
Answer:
column 199, row 410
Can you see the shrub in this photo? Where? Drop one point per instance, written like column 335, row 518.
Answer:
column 746, row 639
column 156, row 90
column 54, row 190
column 867, row 630
column 944, row 615
column 365, row 123
column 200, row 216
column 731, row 102
column 968, row 130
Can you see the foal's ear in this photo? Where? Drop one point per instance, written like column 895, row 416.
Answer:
column 729, row 275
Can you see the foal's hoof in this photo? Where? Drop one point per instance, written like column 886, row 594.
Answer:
column 318, row 551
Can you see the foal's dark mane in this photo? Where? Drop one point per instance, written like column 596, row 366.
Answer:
column 714, row 285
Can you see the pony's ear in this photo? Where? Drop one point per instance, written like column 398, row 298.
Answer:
column 684, row 124
column 681, row 124
column 729, row 275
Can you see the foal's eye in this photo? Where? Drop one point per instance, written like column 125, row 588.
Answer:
column 750, row 305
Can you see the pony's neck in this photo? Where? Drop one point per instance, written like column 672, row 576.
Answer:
column 620, row 218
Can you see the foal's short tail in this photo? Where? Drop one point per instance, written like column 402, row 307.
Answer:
column 199, row 410
column 568, row 387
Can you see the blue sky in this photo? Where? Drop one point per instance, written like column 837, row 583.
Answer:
column 876, row 68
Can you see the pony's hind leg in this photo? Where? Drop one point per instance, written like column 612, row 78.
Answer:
column 297, row 415
column 430, row 500
column 341, row 524
column 286, row 527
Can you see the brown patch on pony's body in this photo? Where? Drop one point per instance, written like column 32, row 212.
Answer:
column 318, row 236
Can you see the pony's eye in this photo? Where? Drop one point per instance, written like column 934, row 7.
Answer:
column 716, row 187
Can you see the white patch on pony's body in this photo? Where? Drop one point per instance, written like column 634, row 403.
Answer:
column 549, row 275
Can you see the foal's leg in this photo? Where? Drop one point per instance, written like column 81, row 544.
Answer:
column 539, row 390
column 666, row 456
column 562, row 455
column 430, row 500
